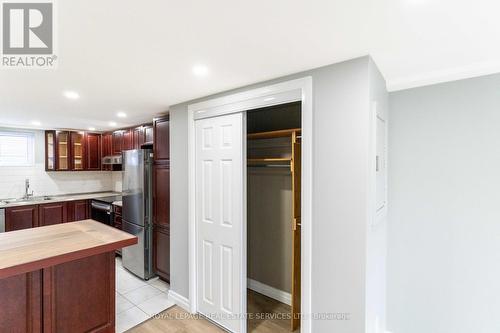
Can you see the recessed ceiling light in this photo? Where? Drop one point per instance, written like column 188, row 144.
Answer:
column 200, row 70
column 121, row 114
column 91, row 128
column 112, row 123
column 36, row 123
column 71, row 94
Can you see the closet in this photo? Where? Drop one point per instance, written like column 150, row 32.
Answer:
column 273, row 218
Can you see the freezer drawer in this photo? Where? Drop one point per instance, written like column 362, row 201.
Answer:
column 138, row 258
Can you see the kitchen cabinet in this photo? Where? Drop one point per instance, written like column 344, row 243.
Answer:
column 50, row 150
column 161, row 140
column 72, row 151
column 117, row 142
column 138, row 137
column 107, row 140
column 117, row 217
column 52, row 213
column 161, row 197
column 77, row 151
column 107, row 148
column 128, row 140
column 161, row 251
column 21, row 217
column 62, row 150
column 161, row 194
column 77, row 210
column 148, row 134
column 93, row 151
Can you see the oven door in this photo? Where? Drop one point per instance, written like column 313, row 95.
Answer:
column 101, row 212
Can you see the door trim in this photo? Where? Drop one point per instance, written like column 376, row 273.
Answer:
column 280, row 93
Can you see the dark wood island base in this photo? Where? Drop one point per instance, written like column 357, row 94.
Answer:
column 60, row 288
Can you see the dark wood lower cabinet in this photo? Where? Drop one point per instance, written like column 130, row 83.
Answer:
column 52, row 213
column 77, row 210
column 22, row 217
column 21, row 300
column 161, row 251
column 76, row 296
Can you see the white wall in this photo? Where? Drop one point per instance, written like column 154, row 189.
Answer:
column 341, row 99
column 52, row 183
column 376, row 237
column 444, row 212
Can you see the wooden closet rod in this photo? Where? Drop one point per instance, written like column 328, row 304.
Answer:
column 273, row 134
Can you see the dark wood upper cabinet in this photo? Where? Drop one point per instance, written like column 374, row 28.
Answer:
column 77, row 210
column 107, row 140
column 148, row 133
column 22, row 217
column 117, row 142
column 107, row 149
column 52, row 213
column 63, row 161
column 77, row 151
column 161, row 140
column 139, row 137
column 161, row 251
column 128, row 140
column 161, row 194
column 93, row 151
column 50, row 150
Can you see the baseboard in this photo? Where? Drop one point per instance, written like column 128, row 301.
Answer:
column 269, row 291
column 180, row 300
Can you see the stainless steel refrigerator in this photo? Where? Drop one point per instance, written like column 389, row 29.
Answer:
column 137, row 210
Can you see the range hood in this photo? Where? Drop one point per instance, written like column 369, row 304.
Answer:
column 112, row 160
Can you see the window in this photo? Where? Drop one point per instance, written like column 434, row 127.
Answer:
column 17, row 149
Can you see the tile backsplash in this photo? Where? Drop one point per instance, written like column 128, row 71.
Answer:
column 53, row 183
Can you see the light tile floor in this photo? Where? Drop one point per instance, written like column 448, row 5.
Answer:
column 138, row 300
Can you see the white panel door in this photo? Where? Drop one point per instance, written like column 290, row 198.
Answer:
column 220, row 219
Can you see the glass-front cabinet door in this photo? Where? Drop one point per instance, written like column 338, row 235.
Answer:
column 62, row 150
column 50, row 150
column 77, row 150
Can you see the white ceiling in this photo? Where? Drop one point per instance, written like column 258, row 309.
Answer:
column 137, row 56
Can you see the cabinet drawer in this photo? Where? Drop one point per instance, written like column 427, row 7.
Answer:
column 117, row 221
column 117, row 209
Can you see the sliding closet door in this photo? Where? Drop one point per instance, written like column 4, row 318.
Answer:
column 220, row 219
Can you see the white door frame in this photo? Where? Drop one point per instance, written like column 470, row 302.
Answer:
column 280, row 93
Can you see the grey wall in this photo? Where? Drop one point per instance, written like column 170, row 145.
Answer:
column 340, row 192
column 444, row 230
column 179, row 249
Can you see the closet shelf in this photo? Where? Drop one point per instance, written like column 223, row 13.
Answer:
column 273, row 134
column 268, row 160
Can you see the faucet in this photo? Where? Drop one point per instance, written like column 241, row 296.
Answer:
column 27, row 195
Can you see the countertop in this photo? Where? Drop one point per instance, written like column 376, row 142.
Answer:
column 29, row 250
column 59, row 198
column 118, row 203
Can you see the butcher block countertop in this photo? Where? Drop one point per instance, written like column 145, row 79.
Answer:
column 33, row 249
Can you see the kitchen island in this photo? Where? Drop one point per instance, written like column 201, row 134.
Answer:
column 60, row 278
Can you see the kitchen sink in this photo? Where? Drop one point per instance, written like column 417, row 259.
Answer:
column 23, row 200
